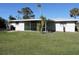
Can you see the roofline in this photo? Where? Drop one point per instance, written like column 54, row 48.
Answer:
column 25, row 20
column 66, row 18
column 64, row 21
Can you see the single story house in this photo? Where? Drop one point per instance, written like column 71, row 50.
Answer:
column 67, row 25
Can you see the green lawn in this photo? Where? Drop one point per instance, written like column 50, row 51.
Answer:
column 36, row 43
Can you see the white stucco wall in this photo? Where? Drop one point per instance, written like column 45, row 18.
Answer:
column 59, row 27
column 69, row 27
column 18, row 27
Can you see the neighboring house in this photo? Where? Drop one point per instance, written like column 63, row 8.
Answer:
column 51, row 25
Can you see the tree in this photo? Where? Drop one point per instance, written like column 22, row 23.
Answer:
column 12, row 18
column 74, row 12
column 3, row 24
column 27, row 13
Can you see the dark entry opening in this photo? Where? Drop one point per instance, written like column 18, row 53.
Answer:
column 64, row 29
column 76, row 29
column 12, row 27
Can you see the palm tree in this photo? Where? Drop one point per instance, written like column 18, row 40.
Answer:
column 19, row 12
column 43, row 23
column 40, row 8
column 74, row 12
column 43, row 19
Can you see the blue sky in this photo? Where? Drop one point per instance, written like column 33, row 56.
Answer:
column 50, row 10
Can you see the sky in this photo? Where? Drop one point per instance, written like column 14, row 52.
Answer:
column 49, row 10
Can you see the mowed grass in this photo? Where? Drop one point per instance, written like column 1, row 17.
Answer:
column 36, row 43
